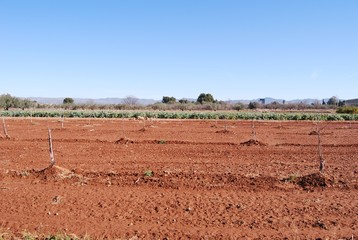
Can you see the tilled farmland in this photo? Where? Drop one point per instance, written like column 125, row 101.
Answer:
column 179, row 179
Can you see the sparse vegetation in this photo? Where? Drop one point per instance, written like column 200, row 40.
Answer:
column 292, row 178
column 148, row 173
column 130, row 100
column 26, row 235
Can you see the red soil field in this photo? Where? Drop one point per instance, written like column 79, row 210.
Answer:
column 206, row 182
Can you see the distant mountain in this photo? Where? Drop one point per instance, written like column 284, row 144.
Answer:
column 352, row 102
column 305, row 101
column 268, row 100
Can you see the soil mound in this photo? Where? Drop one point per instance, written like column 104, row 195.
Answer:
column 55, row 173
column 314, row 180
column 253, row 142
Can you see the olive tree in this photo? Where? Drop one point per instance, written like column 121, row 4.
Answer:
column 167, row 99
column 333, row 101
column 7, row 101
column 253, row 105
column 68, row 100
column 205, row 97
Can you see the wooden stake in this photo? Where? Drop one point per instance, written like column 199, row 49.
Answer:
column 52, row 158
column 7, row 136
column 123, row 132
column 253, row 130
column 322, row 161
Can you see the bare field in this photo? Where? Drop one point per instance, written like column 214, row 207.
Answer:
column 179, row 179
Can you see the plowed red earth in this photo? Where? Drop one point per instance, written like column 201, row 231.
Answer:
column 211, row 179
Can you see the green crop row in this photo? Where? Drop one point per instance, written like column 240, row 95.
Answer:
column 183, row 115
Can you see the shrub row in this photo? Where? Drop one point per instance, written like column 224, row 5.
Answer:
column 183, row 115
column 348, row 109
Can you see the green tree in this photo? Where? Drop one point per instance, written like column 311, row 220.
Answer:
column 183, row 101
column 253, row 105
column 26, row 103
column 68, row 100
column 205, row 97
column 167, row 99
column 238, row 106
column 7, row 101
column 333, row 101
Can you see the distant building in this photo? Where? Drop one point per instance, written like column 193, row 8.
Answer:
column 351, row 102
column 262, row 101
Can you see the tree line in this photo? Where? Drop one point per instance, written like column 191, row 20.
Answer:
column 205, row 101
column 7, row 101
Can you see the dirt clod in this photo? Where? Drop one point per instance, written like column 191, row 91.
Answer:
column 224, row 131
column 253, row 142
column 123, row 141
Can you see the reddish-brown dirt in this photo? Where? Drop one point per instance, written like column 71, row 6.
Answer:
column 210, row 179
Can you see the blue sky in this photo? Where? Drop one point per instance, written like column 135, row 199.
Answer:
column 153, row 48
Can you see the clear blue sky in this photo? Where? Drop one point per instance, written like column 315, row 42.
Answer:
column 153, row 48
